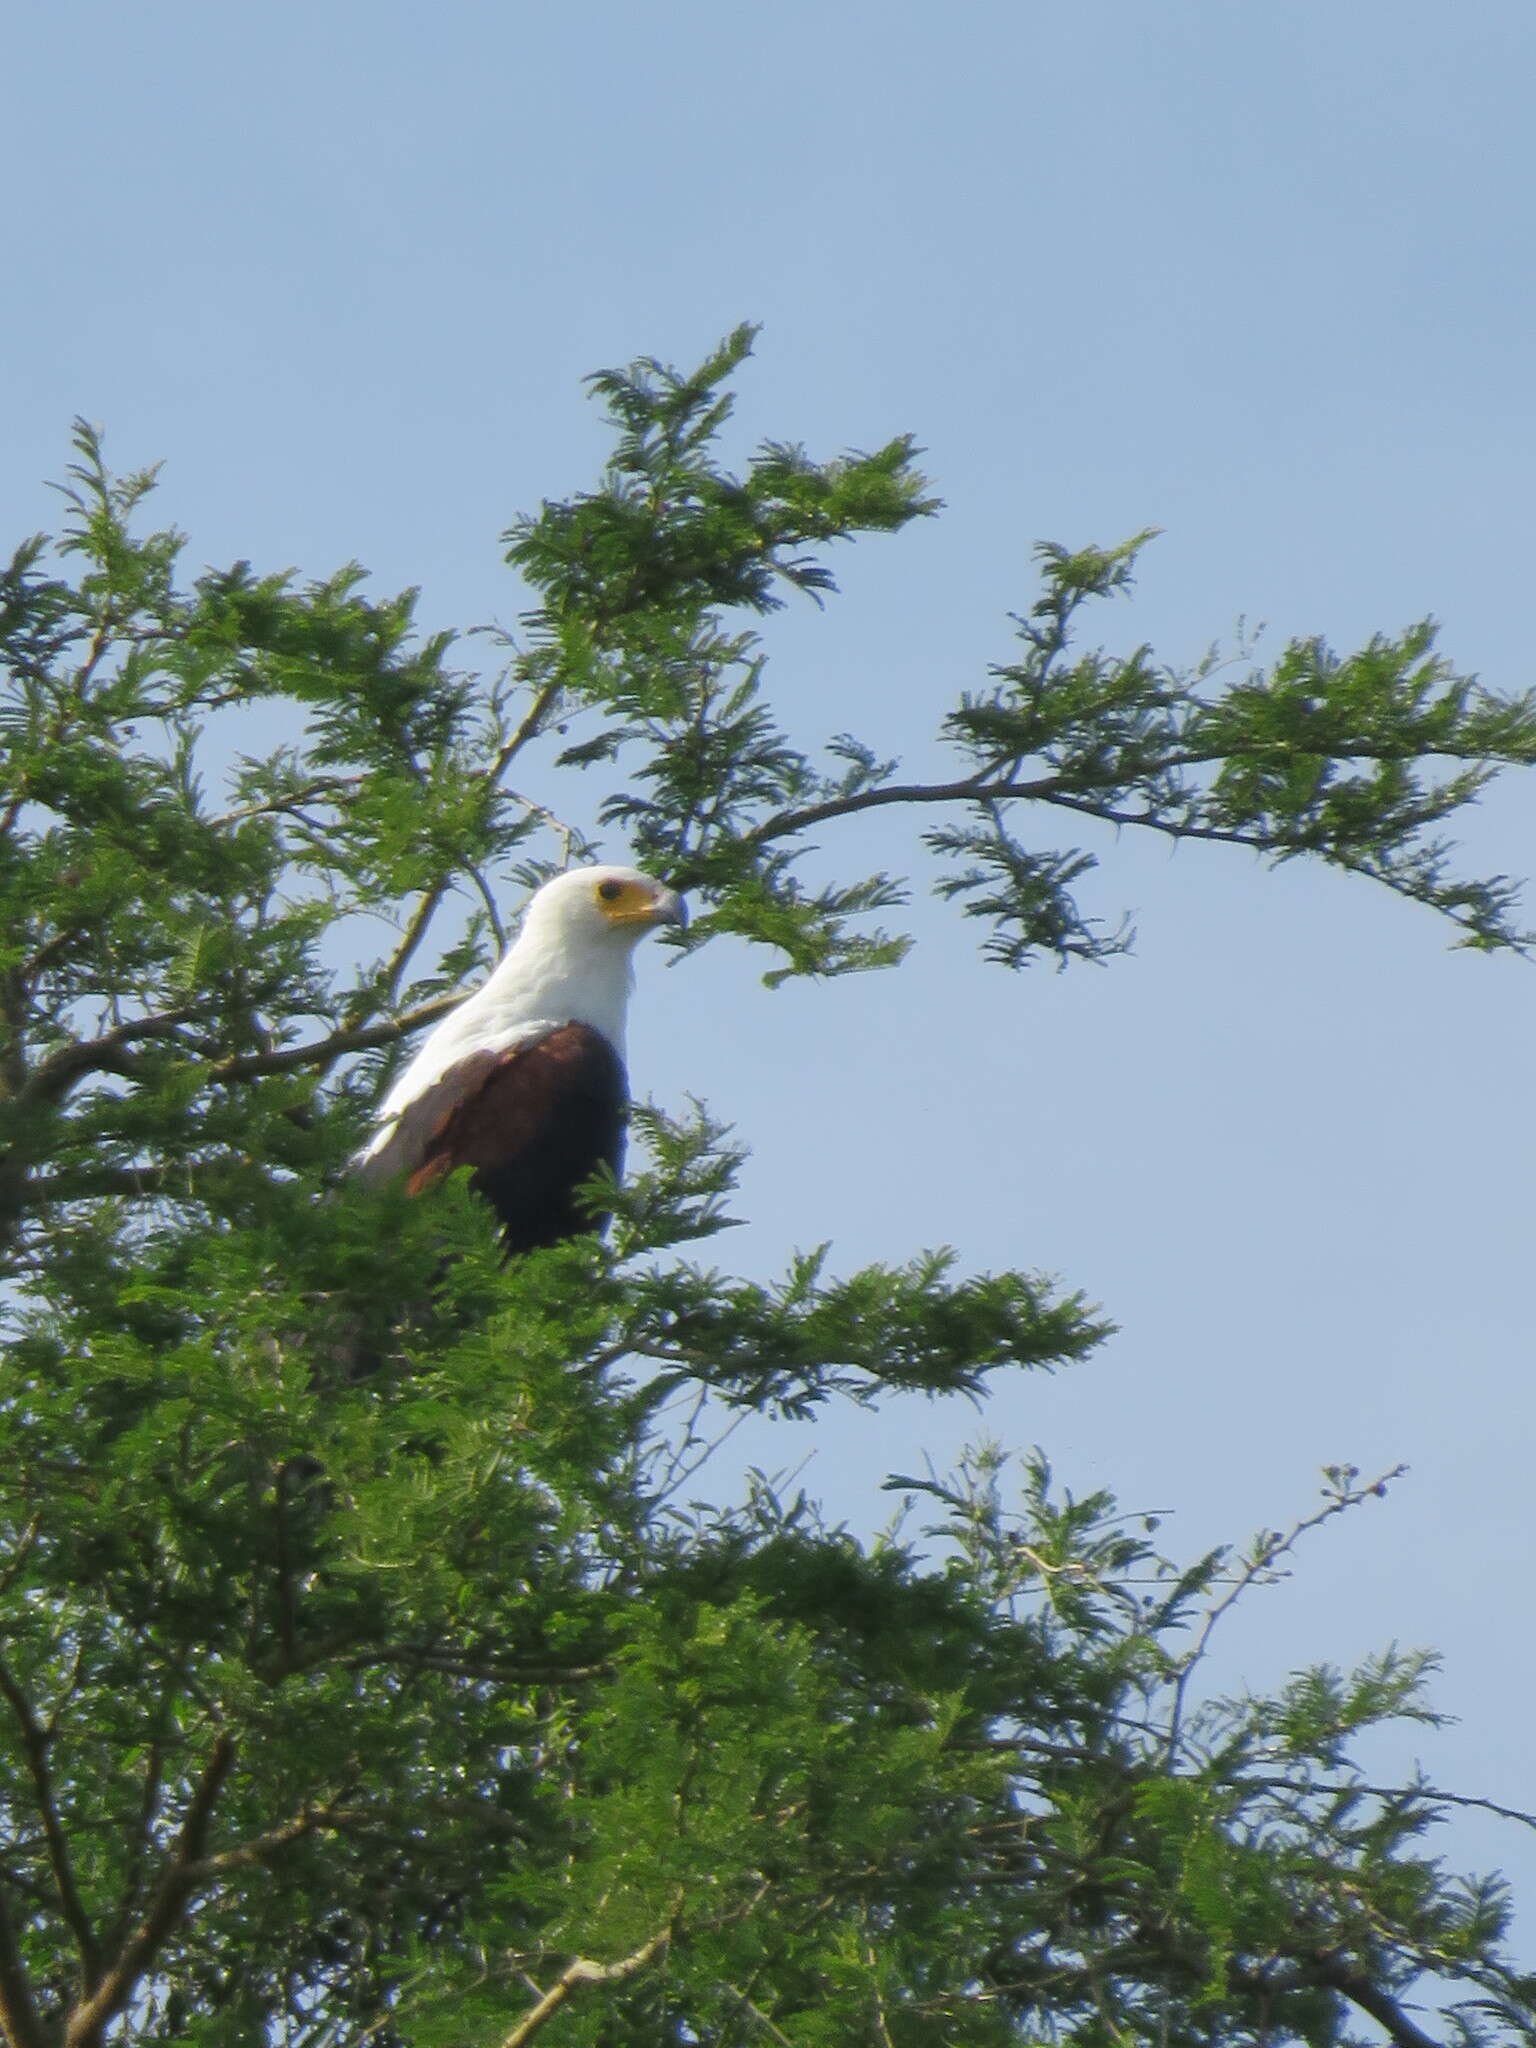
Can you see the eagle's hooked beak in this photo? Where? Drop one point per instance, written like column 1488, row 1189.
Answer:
column 669, row 908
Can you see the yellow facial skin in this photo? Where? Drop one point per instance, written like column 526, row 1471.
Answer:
column 643, row 903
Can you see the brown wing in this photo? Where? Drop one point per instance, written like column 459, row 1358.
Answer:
column 423, row 1118
column 532, row 1124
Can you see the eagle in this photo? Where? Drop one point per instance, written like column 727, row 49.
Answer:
column 525, row 1083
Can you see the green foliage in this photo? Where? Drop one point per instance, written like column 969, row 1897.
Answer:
column 372, row 1667
column 1341, row 758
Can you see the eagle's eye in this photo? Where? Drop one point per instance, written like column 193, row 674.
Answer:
column 610, row 891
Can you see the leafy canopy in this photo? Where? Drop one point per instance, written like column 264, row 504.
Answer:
column 373, row 1665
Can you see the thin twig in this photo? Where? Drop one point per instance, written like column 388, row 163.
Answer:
column 488, row 899
column 756, row 2012
column 882, row 2029
column 322, row 785
column 1272, row 844
column 415, row 931
column 149, row 1804
column 20, row 1552
column 287, row 1615
column 1134, row 1767
column 1430, row 1794
column 31, row 970
column 464, row 1664
column 1261, row 1563
column 531, row 725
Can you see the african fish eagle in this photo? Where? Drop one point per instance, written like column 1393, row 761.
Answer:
column 524, row 1083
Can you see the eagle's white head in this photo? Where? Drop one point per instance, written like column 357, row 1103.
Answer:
column 598, row 907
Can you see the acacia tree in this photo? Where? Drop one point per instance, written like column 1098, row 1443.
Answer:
column 363, row 1678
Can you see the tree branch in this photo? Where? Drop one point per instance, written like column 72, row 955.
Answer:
column 973, row 788
column 264, row 1847
column 19, row 2018
column 325, row 1051
column 183, row 1871
column 980, row 787
column 34, row 1742
column 1334, row 1974
column 106, row 1054
column 89, row 1182
column 583, row 1971
column 1384, row 2010
column 1073, row 792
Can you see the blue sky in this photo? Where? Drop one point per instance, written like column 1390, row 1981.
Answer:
column 1262, row 277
